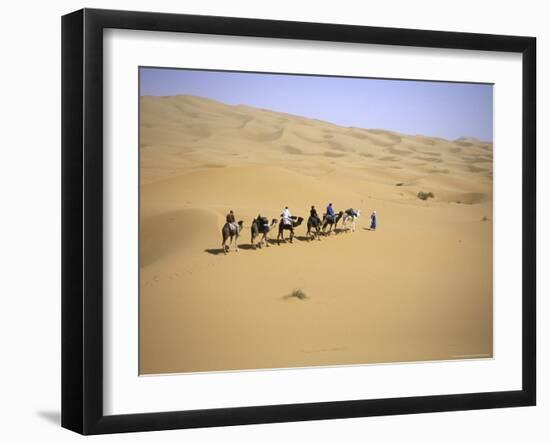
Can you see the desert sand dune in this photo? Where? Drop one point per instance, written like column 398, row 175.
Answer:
column 417, row 288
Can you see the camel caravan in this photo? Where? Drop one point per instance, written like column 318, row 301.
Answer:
column 261, row 226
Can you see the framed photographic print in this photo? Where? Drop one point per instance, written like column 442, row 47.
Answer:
column 269, row 221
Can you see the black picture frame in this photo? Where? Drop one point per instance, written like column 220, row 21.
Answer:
column 82, row 218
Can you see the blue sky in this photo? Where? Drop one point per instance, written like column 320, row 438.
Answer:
column 442, row 109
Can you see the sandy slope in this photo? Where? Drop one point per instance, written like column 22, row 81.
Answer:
column 419, row 288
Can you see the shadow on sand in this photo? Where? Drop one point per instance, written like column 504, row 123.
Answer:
column 303, row 238
column 274, row 242
column 247, row 247
column 216, row 251
column 335, row 231
column 243, row 246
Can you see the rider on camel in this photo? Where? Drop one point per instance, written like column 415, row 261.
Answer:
column 313, row 214
column 230, row 219
column 262, row 223
column 287, row 216
column 352, row 212
column 330, row 211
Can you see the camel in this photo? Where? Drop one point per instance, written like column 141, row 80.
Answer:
column 230, row 231
column 350, row 216
column 331, row 221
column 260, row 226
column 296, row 221
column 313, row 228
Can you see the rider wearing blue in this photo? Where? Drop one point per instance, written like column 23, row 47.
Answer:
column 330, row 210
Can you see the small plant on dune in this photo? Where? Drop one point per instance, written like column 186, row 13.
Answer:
column 425, row 195
column 484, row 218
column 399, row 184
column 297, row 293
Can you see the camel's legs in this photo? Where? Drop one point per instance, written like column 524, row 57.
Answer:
column 236, row 245
column 223, row 246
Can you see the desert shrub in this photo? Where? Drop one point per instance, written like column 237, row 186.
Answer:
column 424, row 195
column 297, row 293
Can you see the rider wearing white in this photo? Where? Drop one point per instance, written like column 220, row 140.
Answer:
column 287, row 216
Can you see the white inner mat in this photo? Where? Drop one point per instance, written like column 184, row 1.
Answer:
column 126, row 392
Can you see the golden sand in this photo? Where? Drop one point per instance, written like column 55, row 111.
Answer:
column 418, row 288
